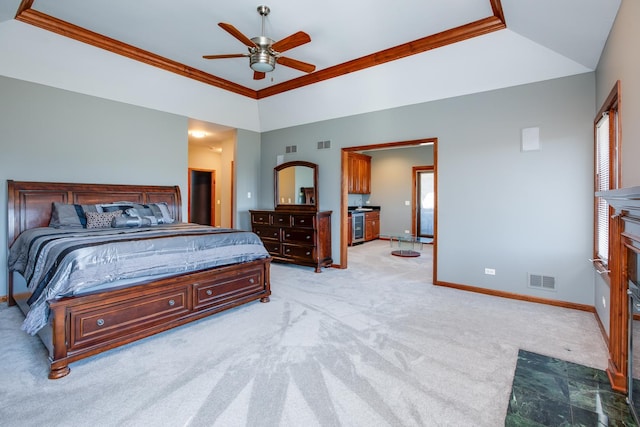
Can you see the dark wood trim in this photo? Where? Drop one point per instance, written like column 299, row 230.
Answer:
column 414, row 193
column 520, row 297
column 391, row 144
column 24, row 5
column 344, row 203
column 477, row 28
column 232, row 196
column 496, row 7
column 444, row 38
column 58, row 26
column 618, row 327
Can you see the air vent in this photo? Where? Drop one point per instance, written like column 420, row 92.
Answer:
column 322, row 145
column 542, row 282
column 291, row 149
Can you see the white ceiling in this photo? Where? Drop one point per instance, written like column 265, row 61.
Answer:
column 547, row 39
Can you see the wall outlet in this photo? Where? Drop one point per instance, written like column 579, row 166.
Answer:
column 407, row 232
column 604, row 302
column 490, row 271
column 407, row 203
column 249, row 195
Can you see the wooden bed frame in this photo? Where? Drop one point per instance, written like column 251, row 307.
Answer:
column 86, row 325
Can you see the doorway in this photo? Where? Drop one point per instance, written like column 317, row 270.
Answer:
column 344, row 202
column 202, row 188
column 423, row 217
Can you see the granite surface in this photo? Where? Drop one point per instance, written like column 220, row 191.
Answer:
column 552, row 392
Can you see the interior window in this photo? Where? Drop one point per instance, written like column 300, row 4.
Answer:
column 607, row 172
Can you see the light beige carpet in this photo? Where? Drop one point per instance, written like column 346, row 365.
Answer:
column 374, row 345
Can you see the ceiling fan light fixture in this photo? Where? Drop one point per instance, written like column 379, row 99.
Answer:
column 262, row 61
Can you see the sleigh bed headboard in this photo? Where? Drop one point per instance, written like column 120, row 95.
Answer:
column 29, row 203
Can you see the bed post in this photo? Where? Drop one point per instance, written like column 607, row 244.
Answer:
column 59, row 362
column 10, row 237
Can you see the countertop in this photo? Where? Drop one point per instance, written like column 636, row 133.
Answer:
column 363, row 209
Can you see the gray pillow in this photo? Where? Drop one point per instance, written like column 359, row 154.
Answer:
column 129, row 221
column 157, row 213
column 69, row 215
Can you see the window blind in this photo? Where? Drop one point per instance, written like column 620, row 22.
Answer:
column 603, row 184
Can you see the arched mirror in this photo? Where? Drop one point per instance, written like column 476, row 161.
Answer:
column 296, row 186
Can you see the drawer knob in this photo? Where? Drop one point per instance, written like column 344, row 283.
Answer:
column 172, row 302
column 100, row 322
column 308, row 237
column 280, row 219
column 288, row 235
column 308, row 253
column 288, row 250
column 209, row 292
column 302, row 220
column 252, row 280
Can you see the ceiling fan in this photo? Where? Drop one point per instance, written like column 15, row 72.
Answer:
column 264, row 52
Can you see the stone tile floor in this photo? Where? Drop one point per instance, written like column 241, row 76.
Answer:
column 552, row 392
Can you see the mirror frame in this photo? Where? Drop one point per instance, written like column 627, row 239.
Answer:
column 296, row 207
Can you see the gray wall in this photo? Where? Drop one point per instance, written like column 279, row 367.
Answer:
column 618, row 63
column 498, row 207
column 392, row 184
column 49, row 134
column 247, row 174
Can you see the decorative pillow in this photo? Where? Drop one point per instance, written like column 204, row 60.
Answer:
column 129, row 221
column 101, row 219
column 157, row 213
column 161, row 209
column 68, row 215
column 118, row 206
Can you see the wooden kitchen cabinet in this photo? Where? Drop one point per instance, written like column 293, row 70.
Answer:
column 372, row 225
column 359, row 173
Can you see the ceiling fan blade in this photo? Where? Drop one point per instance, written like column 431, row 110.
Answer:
column 231, row 55
column 294, row 40
column 237, row 34
column 257, row 75
column 294, row 63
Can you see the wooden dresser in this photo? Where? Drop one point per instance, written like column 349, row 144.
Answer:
column 296, row 237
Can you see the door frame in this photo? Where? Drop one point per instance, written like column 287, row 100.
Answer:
column 415, row 202
column 213, row 193
column 344, row 198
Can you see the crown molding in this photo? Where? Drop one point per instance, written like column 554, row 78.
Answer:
column 487, row 25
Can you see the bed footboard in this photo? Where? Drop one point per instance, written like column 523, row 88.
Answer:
column 90, row 324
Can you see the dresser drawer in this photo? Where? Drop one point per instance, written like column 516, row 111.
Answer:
column 261, row 218
column 227, row 289
column 282, row 219
column 303, row 220
column 301, row 236
column 305, row 253
column 272, row 247
column 267, row 233
column 92, row 326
